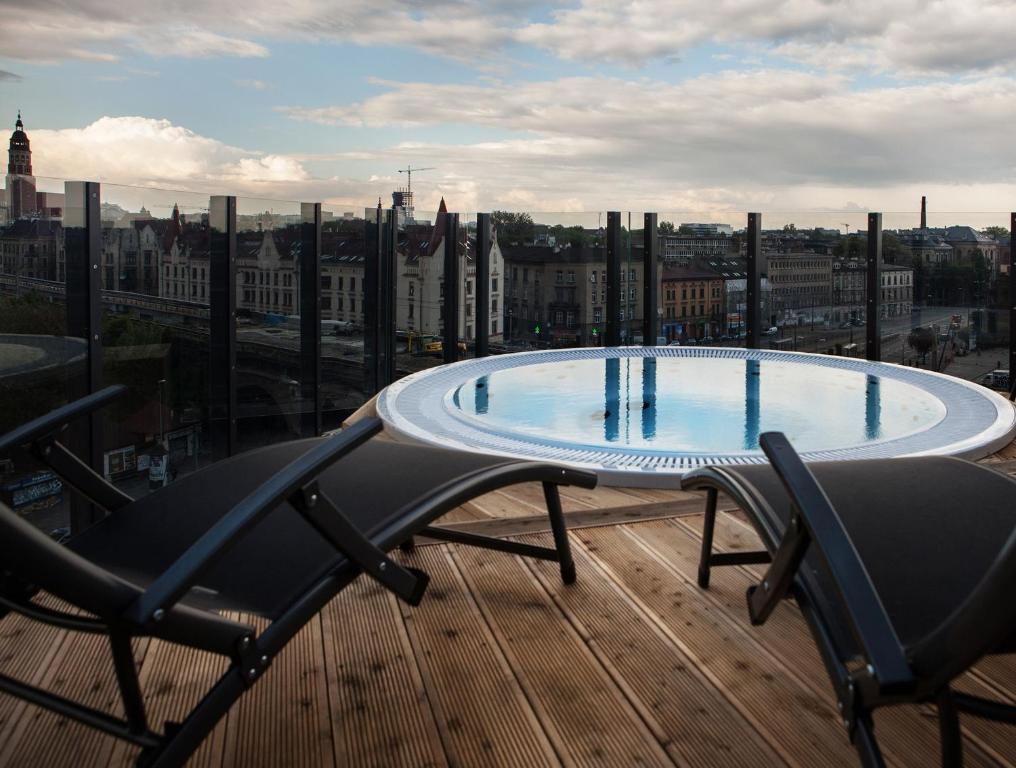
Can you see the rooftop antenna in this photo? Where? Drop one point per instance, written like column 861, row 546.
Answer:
column 408, row 170
column 846, row 226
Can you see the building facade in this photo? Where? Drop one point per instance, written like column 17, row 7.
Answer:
column 693, row 302
column 800, row 281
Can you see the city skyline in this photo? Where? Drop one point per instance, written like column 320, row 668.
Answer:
column 663, row 106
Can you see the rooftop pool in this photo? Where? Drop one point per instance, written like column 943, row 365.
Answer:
column 643, row 416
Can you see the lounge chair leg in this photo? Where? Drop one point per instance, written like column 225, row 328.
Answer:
column 949, row 729
column 553, row 497
column 707, row 538
column 408, row 545
column 865, row 743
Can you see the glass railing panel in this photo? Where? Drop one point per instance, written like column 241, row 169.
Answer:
column 703, row 283
column 344, row 377
column 553, row 288
column 959, row 320
column 269, row 399
column 419, row 291
column 154, row 272
column 41, row 365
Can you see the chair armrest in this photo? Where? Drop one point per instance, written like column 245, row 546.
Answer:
column 174, row 583
column 814, row 519
column 58, row 419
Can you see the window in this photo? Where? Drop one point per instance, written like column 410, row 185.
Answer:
column 493, row 285
column 326, row 282
column 493, row 305
column 469, row 287
column 194, row 273
column 597, row 314
column 631, row 275
column 493, row 326
column 276, row 276
column 525, row 275
column 352, row 305
column 412, row 289
column 339, row 303
column 326, row 302
column 559, row 276
column 570, row 320
column 592, row 276
column 411, row 306
column 341, row 280
column 631, row 294
column 571, row 276
column 469, row 310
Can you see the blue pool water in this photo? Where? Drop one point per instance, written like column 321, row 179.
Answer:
column 694, row 404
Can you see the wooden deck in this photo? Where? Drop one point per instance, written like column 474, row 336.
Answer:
column 503, row 665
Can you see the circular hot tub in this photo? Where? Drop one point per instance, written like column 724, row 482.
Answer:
column 642, row 416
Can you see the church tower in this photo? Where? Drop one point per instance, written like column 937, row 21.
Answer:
column 21, row 197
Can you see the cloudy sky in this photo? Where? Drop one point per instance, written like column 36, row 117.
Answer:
column 668, row 105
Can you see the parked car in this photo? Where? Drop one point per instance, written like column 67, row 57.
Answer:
column 773, row 330
column 674, row 343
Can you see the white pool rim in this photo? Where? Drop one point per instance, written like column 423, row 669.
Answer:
column 420, row 408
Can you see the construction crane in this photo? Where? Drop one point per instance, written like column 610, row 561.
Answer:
column 408, row 170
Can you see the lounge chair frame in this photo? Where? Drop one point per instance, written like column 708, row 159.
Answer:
column 887, row 672
column 123, row 611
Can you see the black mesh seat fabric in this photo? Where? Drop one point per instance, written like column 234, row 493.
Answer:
column 277, row 560
column 927, row 530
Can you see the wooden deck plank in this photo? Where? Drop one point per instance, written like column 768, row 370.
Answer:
column 283, row 720
column 380, row 712
column 586, row 717
column 504, row 504
column 799, row 725
column 27, row 650
column 173, row 680
column 81, row 670
column 531, row 494
column 482, row 712
column 904, row 731
column 695, row 722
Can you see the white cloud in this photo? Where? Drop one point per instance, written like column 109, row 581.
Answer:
column 897, row 36
column 148, row 152
column 766, row 139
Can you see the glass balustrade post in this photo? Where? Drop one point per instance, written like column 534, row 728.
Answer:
column 482, row 324
column 310, row 318
column 222, row 330
column 753, row 283
column 873, row 274
column 1012, row 307
column 650, row 280
column 613, row 324
column 373, row 239
column 450, row 308
column 82, row 254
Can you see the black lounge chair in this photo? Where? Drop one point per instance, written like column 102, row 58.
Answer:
column 905, row 570
column 276, row 532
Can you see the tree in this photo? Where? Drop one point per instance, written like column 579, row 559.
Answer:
column 921, row 341
column 996, row 232
column 33, row 314
column 789, row 227
column 574, row 237
column 890, row 247
column 665, row 228
column 513, row 228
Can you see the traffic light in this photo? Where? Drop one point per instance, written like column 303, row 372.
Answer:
column 536, row 329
